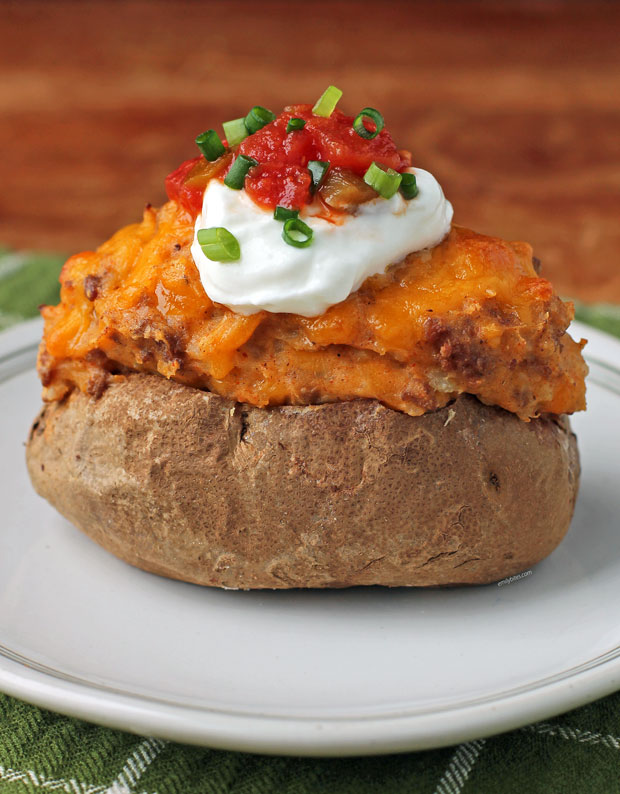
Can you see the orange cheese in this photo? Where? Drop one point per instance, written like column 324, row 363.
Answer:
column 470, row 315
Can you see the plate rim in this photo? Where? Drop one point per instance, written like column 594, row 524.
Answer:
column 304, row 735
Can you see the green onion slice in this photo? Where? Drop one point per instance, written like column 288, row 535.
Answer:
column 385, row 182
column 327, row 102
column 235, row 131
column 295, row 124
column 284, row 213
column 408, row 186
column 235, row 178
column 257, row 118
column 218, row 244
column 362, row 130
column 293, row 228
column 318, row 171
column 210, row 145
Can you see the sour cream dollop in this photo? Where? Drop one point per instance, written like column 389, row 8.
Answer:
column 278, row 277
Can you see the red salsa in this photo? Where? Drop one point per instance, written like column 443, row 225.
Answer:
column 282, row 176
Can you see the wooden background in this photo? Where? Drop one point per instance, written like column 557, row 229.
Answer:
column 515, row 107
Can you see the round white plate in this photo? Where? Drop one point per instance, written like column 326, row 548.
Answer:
column 366, row 670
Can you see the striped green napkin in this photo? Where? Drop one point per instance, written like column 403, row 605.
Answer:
column 40, row 751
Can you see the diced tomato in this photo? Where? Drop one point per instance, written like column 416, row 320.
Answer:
column 271, row 184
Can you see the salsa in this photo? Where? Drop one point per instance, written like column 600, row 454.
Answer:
column 281, row 177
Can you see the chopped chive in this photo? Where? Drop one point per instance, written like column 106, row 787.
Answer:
column 235, row 131
column 318, row 170
column 362, row 130
column 385, row 182
column 235, row 178
column 218, row 244
column 408, row 186
column 327, row 102
column 284, row 213
column 295, row 124
column 210, row 145
column 294, row 227
column 257, row 118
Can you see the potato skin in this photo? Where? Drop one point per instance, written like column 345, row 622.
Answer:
column 192, row 486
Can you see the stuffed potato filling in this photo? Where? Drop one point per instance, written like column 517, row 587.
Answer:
column 469, row 315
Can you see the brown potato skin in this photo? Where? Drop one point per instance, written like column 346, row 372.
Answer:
column 192, row 486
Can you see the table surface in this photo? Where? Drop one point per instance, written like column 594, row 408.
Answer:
column 513, row 106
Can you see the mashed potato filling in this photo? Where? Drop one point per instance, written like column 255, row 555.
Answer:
column 468, row 315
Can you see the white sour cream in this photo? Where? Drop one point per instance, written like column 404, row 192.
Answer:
column 278, row 277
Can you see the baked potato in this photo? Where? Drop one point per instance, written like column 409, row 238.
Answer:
column 238, row 397
column 194, row 486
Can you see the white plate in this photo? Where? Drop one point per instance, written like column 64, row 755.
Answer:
column 316, row 672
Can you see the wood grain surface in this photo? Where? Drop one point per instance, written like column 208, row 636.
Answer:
column 515, row 107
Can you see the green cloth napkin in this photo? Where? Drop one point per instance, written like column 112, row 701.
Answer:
column 42, row 751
